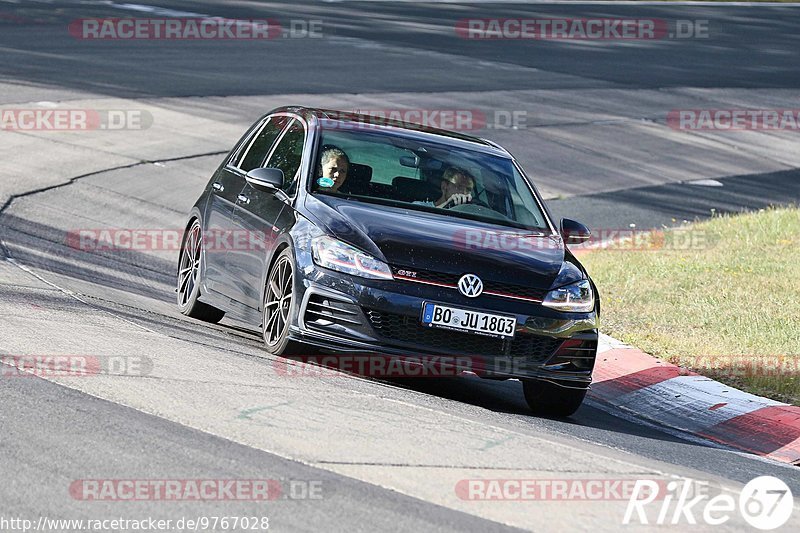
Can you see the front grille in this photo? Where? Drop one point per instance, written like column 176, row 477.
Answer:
column 443, row 278
column 514, row 290
column 534, row 347
column 406, row 329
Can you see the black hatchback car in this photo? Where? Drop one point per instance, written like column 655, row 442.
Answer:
column 352, row 234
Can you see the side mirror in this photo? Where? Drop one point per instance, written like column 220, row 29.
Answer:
column 574, row 232
column 265, row 179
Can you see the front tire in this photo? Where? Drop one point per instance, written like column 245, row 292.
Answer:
column 279, row 306
column 188, row 278
column 548, row 399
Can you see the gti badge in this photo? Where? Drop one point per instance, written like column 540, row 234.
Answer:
column 470, row 285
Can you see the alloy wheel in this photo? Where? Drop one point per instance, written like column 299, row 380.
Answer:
column 189, row 265
column 278, row 301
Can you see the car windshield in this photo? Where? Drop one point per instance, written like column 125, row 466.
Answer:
column 378, row 165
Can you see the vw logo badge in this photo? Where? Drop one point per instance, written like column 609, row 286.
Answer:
column 470, row 285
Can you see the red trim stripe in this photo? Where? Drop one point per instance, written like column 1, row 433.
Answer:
column 425, row 282
column 504, row 295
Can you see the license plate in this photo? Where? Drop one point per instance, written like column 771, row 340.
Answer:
column 441, row 316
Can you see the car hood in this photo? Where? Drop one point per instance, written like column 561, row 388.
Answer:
column 421, row 241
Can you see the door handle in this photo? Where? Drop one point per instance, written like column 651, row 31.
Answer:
column 218, row 186
column 244, row 199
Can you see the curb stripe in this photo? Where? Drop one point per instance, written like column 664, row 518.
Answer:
column 789, row 453
column 627, row 378
column 618, row 362
column 772, row 431
column 690, row 403
column 638, row 380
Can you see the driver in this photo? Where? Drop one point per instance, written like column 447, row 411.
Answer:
column 333, row 168
column 458, row 186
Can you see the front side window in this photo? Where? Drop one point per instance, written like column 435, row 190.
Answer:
column 288, row 155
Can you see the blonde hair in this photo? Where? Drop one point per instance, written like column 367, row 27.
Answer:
column 330, row 154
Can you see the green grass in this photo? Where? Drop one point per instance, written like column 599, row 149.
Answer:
column 734, row 296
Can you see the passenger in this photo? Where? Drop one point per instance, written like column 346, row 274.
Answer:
column 333, row 167
column 457, row 186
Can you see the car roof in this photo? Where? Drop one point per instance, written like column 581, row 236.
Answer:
column 411, row 129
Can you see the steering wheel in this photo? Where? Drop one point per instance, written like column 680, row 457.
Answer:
column 477, row 201
column 480, row 209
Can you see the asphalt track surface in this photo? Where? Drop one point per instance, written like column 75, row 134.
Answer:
column 211, row 404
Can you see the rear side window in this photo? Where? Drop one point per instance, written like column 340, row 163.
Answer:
column 256, row 151
column 288, row 155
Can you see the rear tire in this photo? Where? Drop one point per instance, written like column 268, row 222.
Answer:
column 548, row 399
column 188, row 278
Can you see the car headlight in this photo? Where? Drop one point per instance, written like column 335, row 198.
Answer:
column 576, row 297
column 337, row 255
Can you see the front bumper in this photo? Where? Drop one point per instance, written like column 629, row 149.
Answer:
column 382, row 318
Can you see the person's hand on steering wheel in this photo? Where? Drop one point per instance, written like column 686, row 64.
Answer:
column 456, row 199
